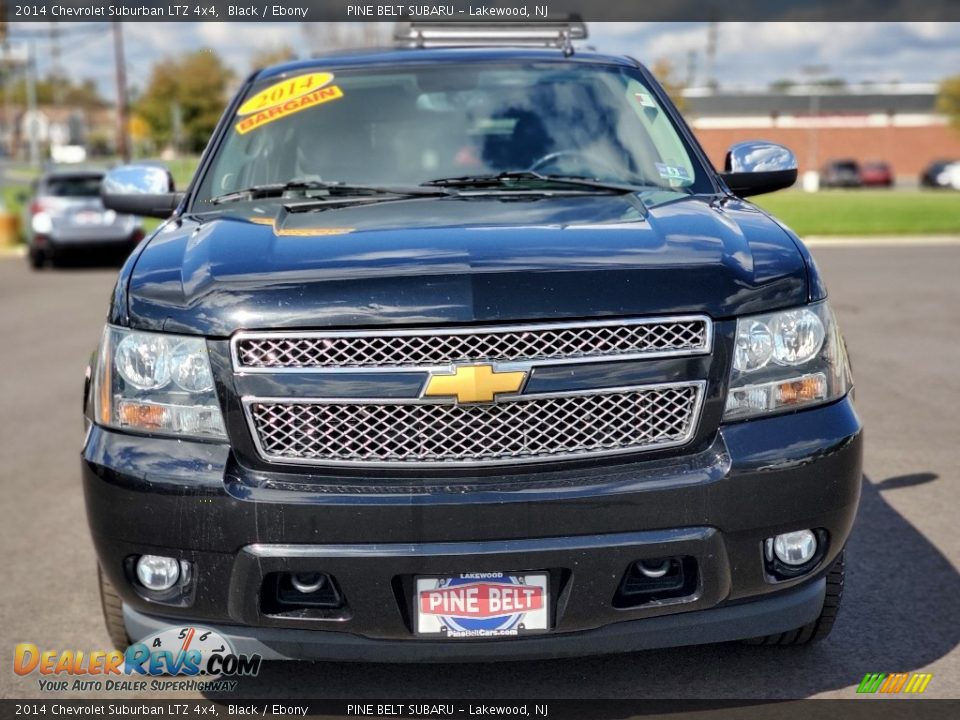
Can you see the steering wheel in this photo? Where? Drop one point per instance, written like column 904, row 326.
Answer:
column 588, row 160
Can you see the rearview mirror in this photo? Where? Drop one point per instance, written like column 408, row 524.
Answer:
column 145, row 190
column 754, row 168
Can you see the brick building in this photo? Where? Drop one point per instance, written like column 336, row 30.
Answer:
column 896, row 123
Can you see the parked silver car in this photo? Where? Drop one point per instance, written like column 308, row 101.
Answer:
column 65, row 214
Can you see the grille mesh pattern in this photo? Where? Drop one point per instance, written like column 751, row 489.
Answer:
column 433, row 349
column 538, row 427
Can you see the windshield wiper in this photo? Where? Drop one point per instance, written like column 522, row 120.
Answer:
column 518, row 177
column 333, row 189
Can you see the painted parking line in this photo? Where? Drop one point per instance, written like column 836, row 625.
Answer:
column 883, row 241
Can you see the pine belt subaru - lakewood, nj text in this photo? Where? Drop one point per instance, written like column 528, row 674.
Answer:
column 453, row 353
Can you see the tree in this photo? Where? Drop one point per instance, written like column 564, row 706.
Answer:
column 782, row 86
column 82, row 94
column 831, row 83
column 185, row 96
column 948, row 101
column 664, row 72
column 272, row 56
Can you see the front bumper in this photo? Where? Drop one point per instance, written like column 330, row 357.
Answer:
column 585, row 526
column 775, row 614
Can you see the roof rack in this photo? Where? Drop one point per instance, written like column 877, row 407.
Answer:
column 527, row 34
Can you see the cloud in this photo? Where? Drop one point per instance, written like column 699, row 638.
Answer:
column 240, row 39
column 755, row 54
column 748, row 54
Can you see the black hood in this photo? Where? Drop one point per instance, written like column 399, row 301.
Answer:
column 463, row 260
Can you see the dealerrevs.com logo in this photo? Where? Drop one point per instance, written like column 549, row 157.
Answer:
column 178, row 658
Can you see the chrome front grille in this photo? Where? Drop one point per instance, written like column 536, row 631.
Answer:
column 541, row 343
column 521, row 428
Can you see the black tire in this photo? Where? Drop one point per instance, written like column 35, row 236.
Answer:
column 112, row 607
column 821, row 627
column 36, row 258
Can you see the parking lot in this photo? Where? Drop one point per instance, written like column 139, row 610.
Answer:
column 898, row 304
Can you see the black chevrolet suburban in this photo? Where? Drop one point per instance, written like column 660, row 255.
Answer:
column 468, row 353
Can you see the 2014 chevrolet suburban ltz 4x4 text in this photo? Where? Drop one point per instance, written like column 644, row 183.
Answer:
column 468, row 353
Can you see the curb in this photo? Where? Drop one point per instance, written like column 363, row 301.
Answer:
column 815, row 241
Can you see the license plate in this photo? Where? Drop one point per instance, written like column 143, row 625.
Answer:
column 476, row 605
column 88, row 217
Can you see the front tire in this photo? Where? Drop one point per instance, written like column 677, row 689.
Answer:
column 112, row 607
column 821, row 627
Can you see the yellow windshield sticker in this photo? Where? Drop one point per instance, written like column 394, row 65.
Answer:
column 261, row 118
column 312, row 232
column 301, row 232
column 284, row 91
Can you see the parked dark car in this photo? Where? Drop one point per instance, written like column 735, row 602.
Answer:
column 453, row 354
column 936, row 176
column 876, row 174
column 841, row 174
column 65, row 215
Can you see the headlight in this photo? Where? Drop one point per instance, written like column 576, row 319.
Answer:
column 785, row 360
column 156, row 383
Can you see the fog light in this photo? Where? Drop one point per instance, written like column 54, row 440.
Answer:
column 156, row 572
column 795, row 548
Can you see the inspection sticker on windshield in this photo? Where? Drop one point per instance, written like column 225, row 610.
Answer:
column 672, row 172
column 490, row 604
column 288, row 107
column 645, row 100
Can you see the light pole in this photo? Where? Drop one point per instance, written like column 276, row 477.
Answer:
column 813, row 72
column 123, row 144
column 32, row 112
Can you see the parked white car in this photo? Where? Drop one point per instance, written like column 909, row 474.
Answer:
column 950, row 176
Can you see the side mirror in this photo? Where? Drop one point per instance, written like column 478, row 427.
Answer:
column 145, row 190
column 754, row 168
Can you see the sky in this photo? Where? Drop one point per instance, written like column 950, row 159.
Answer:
column 749, row 55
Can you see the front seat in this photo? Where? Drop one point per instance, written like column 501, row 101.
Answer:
column 524, row 145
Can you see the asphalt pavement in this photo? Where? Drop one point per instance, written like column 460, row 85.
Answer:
column 898, row 305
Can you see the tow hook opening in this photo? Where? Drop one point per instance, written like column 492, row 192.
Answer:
column 654, row 580
column 302, row 594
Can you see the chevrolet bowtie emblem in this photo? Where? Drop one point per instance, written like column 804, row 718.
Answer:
column 474, row 383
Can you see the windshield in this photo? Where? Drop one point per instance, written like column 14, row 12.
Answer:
column 85, row 186
column 411, row 125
